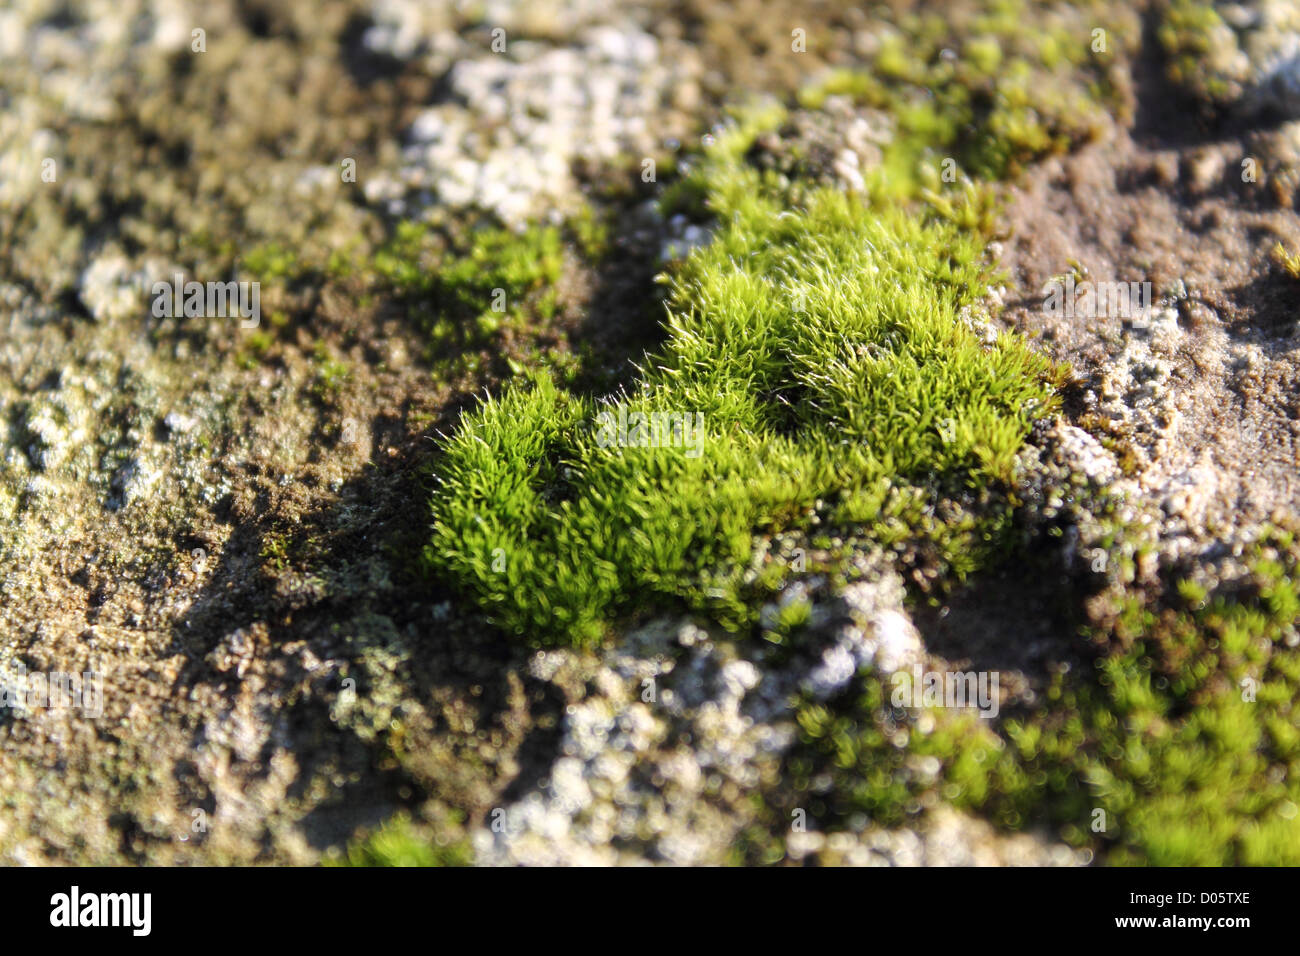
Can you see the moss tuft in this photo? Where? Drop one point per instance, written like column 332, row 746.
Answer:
column 1288, row 262
column 984, row 87
column 400, row 843
column 1193, row 34
column 818, row 354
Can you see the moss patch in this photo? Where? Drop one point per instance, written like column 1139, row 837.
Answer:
column 488, row 291
column 1178, row 748
column 1195, row 40
column 399, row 842
column 817, row 355
column 994, row 85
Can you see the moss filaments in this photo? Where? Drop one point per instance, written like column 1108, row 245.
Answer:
column 1192, row 34
column 824, row 349
column 1288, row 262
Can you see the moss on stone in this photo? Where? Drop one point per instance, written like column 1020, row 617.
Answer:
column 994, row 85
column 1194, row 36
column 823, row 351
column 1178, row 748
column 399, row 842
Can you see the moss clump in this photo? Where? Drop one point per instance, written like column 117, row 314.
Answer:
column 1179, row 748
column 400, row 843
column 994, row 85
column 273, row 262
column 487, row 287
column 331, row 372
column 417, row 262
column 815, row 355
column 254, row 348
column 478, row 292
column 1197, row 42
column 1288, row 262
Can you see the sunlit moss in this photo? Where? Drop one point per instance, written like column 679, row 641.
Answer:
column 1180, row 748
column 823, row 353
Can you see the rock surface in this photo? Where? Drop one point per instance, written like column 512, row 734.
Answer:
column 206, row 516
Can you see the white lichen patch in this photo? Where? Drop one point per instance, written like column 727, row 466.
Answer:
column 112, row 290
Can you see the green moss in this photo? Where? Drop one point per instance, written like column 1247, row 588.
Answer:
column 822, row 352
column 491, row 284
column 822, row 339
column 331, row 373
column 993, row 85
column 1162, row 737
column 591, row 231
column 400, row 843
column 254, row 348
column 275, row 551
column 1288, row 262
column 271, row 262
column 1191, row 33
column 848, row 404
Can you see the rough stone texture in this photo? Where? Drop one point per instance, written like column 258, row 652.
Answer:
column 658, row 763
column 519, row 121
